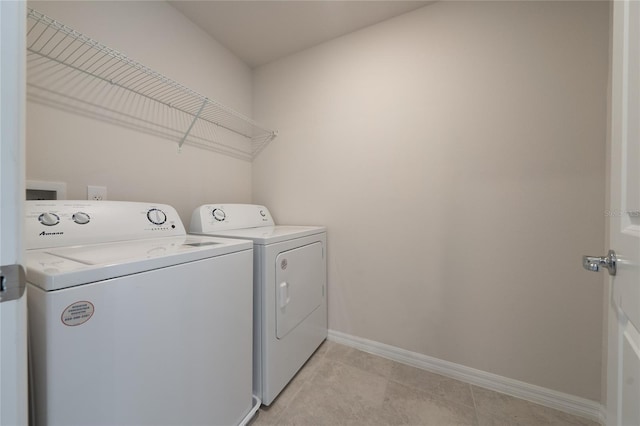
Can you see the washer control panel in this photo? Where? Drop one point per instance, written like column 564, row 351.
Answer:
column 64, row 222
column 223, row 217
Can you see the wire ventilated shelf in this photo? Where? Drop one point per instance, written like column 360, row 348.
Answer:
column 72, row 72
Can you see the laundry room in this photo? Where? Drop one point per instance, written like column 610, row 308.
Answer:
column 456, row 154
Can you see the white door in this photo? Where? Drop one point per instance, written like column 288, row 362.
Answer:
column 623, row 364
column 13, row 322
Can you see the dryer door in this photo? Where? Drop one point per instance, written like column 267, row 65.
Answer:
column 299, row 285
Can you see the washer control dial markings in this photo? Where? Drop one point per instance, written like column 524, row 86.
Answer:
column 156, row 216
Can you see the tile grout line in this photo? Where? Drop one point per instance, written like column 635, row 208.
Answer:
column 567, row 403
column 391, row 379
column 475, row 406
column 345, row 358
column 277, row 417
column 304, row 382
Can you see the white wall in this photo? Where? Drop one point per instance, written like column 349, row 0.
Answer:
column 457, row 156
column 135, row 166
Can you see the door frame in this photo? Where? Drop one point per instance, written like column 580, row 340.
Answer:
column 619, row 330
column 13, row 313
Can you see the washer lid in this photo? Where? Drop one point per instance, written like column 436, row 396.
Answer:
column 271, row 234
column 61, row 267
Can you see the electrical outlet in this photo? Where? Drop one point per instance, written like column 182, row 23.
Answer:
column 96, row 193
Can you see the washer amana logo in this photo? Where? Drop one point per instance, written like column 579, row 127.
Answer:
column 50, row 233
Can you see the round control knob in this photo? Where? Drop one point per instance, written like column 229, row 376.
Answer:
column 262, row 213
column 219, row 214
column 81, row 218
column 156, row 216
column 49, row 219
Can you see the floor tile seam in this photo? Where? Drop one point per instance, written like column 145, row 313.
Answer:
column 284, row 409
column 434, row 394
column 475, row 406
column 533, row 407
column 323, row 355
column 273, row 421
column 362, row 407
column 441, row 377
column 499, row 414
column 276, row 420
column 295, row 394
column 473, row 399
column 313, row 371
column 341, row 362
column 384, row 393
column 362, row 369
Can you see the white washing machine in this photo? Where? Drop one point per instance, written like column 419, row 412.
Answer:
column 290, row 276
column 134, row 322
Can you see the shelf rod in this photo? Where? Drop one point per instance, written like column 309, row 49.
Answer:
column 80, row 54
column 192, row 123
column 114, row 83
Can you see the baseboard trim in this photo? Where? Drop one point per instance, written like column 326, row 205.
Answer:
column 536, row 394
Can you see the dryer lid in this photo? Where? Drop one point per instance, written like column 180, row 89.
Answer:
column 271, row 234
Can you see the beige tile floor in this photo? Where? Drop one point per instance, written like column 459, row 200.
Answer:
column 344, row 386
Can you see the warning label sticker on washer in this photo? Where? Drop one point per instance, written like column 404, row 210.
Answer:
column 77, row 313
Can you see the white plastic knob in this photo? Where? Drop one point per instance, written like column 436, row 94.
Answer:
column 49, row 219
column 81, row 218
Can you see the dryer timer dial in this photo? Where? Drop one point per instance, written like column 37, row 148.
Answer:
column 219, row 214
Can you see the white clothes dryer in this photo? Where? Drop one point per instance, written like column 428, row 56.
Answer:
column 132, row 321
column 290, row 295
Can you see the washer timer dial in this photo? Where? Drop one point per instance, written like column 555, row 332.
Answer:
column 81, row 218
column 156, row 216
column 219, row 214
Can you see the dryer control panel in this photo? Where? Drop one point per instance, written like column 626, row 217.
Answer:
column 224, row 217
column 58, row 223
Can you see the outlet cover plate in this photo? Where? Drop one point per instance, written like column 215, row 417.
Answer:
column 97, row 193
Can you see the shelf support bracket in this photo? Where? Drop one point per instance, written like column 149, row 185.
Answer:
column 195, row 118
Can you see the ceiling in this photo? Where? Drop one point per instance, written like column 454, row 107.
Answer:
column 259, row 32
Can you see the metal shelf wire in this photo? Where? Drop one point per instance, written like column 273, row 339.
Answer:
column 70, row 71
